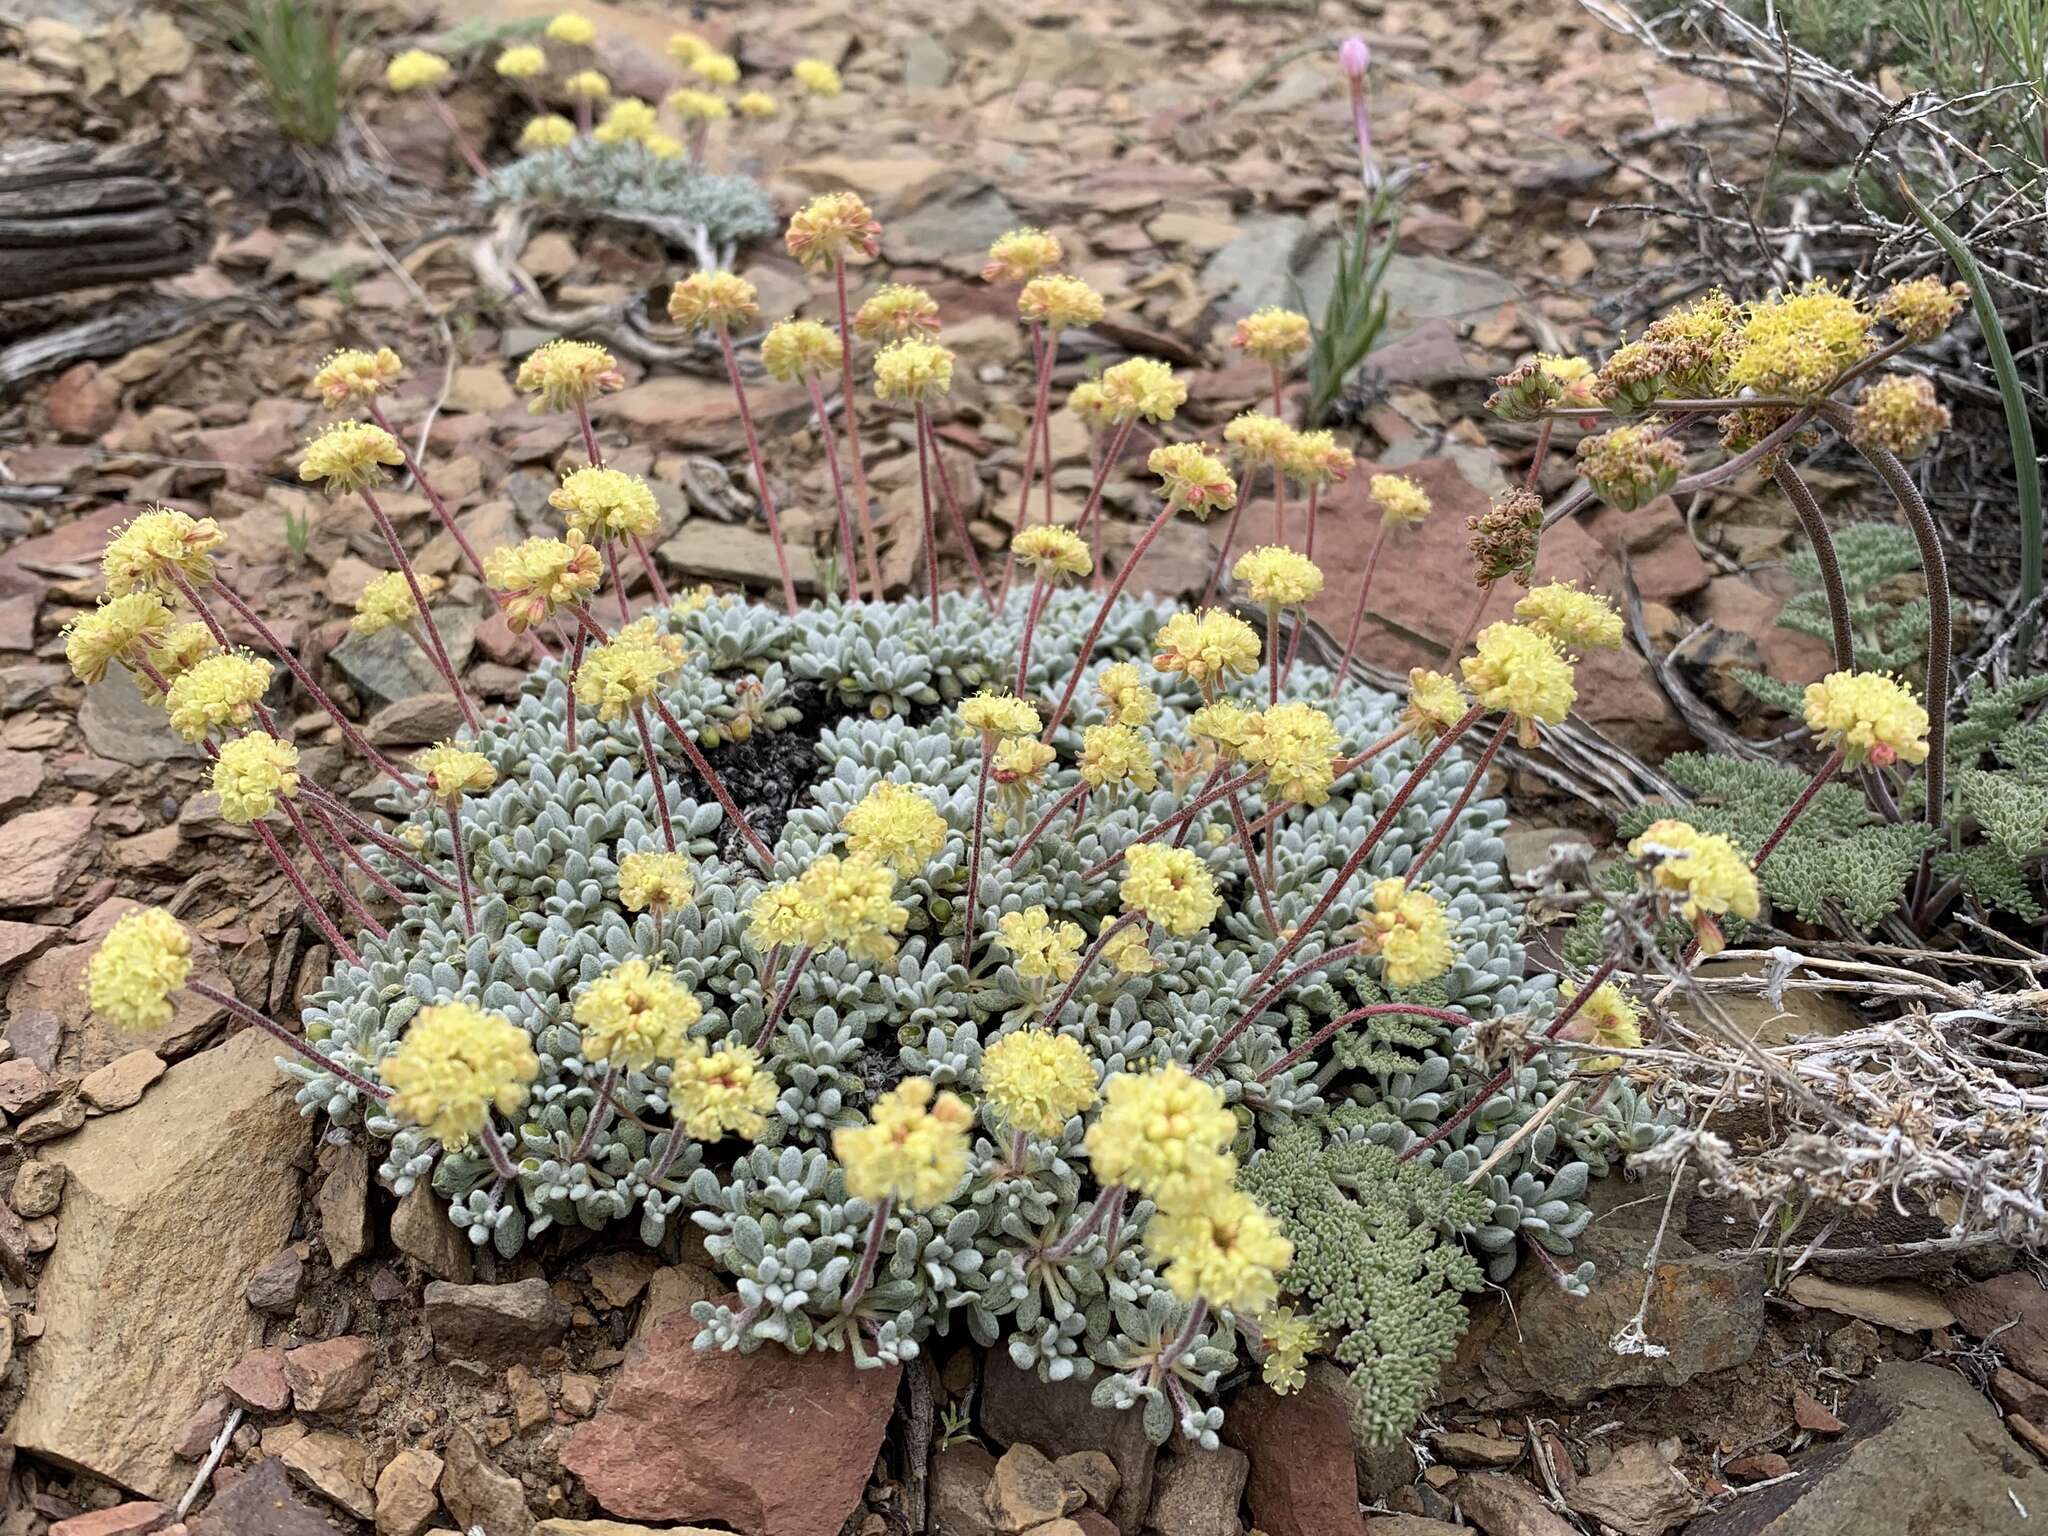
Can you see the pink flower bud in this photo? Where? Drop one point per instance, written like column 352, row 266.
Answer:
column 1354, row 58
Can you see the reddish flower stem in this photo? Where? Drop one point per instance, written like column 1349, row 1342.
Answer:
column 328, row 872
column 931, row 528
column 475, row 161
column 419, row 476
column 1116, row 587
column 945, row 478
column 1265, row 999
column 1030, row 627
column 647, row 563
column 1229, row 537
column 313, row 908
column 870, row 1254
column 285, row 1037
column 322, row 818
column 1071, row 797
column 437, row 653
column 668, row 832
column 610, row 553
column 739, row 390
column 1186, row 813
column 1087, row 964
column 783, row 994
column 1486, row 757
column 974, row 849
column 454, row 804
column 1372, row 564
column 849, row 551
column 704, row 771
column 860, row 474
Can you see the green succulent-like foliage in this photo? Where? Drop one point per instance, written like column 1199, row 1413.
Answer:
column 672, row 196
column 861, row 693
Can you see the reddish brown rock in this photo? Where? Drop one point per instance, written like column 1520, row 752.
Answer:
column 683, row 411
column 1303, row 1480
column 332, row 1375
column 2016, row 1299
column 40, row 851
column 1059, row 1418
column 257, row 1382
column 121, row 1520
column 83, row 402
column 680, row 1437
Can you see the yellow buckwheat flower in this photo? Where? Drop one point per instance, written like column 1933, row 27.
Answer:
column 716, row 68
column 1871, row 717
column 913, row 1150
column 1289, row 1340
column 456, row 1064
column 1020, row 256
column 1711, row 872
column 623, row 673
column 1277, row 577
column 633, row 1015
column 1087, row 401
column 387, row 602
column 1399, row 499
column 1922, row 307
column 757, row 105
column 726, row 1092
column 183, row 648
column 833, row 228
column 1038, row 1080
column 1222, row 1247
column 452, row 772
column 115, row 631
column 1276, row 336
column 1571, row 619
column 686, row 47
column 1170, row 886
column 1605, row 1018
column 547, row 130
column 1164, row 1134
column 1900, row 412
column 816, row 76
column 1410, row 933
column 695, row 106
column 145, row 957
column 350, row 456
column 629, row 120
column 1435, row 704
column 1142, row 386
column 1192, row 479
column 522, row 61
column 1209, row 646
column 350, row 375
column 250, row 775
column 588, row 85
column 1317, row 458
column 778, row 916
column 414, row 69
column 1117, row 754
column 216, row 693
column 895, row 825
column 999, row 714
column 538, row 576
column 711, row 301
column 660, row 881
column 913, row 370
column 850, row 902
column 567, row 373
column 146, row 550
column 1225, row 726
column 1122, row 690
column 800, row 349
column 663, row 146
column 1059, row 303
column 1259, row 438
column 1041, row 950
column 1521, row 672
column 607, row 503
column 1297, row 746
column 1051, row 552
column 1016, row 768
column 1798, row 343
column 568, row 27
column 896, row 310
column 1129, row 953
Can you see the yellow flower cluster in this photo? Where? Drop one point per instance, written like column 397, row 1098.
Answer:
column 851, row 902
column 251, row 773
column 1900, row 413
column 587, row 85
column 1606, row 1018
column 1297, row 745
column 1117, row 754
column 1122, row 690
column 626, row 671
column 538, row 576
column 547, row 130
column 1021, row 255
column 145, row 957
column 1165, row 1134
column 1142, row 386
column 350, row 456
column 726, row 1092
column 1289, row 1341
column 833, row 228
column 1038, row 1080
column 1570, row 619
column 1209, row 645
column 800, row 349
column 607, row 502
column 633, row 1016
column 1274, row 336
column 1712, row 874
column 1226, row 726
column 716, row 68
column 1170, row 887
column 1798, row 343
column 913, row 1150
column 895, row 311
column 1277, row 577
column 1521, row 672
column 1259, row 438
column 913, row 370
column 1087, row 401
column 895, row 825
column 1192, row 479
column 1631, row 466
column 452, row 772
column 712, row 301
column 661, row 881
column 217, row 692
column 1400, row 499
column 1130, row 954
column 147, row 550
column 572, row 29
column 816, row 77
column 695, row 106
column 999, row 714
column 1410, row 933
column 565, row 373
column 1059, row 303
column 387, row 602
column 1435, row 704
column 778, row 916
column 1041, row 950
column 350, row 375
column 757, row 105
column 1051, row 551
column 1317, row 458
column 1871, row 717
column 1921, row 308
column 1017, row 768
column 413, row 69
column 182, row 649
column 456, row 1064
column 1222, row 1247
column 629, row 120
column 522, row 61
column 114, row 631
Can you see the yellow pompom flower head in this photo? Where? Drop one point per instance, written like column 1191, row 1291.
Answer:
column 896, row 825
column 1037, row 1081
column 718, row 1093
column 456, row 1065
column 832, row 230
column 1121, row 688
column 1142, row 387
column 713, row 301
column 145, row 957
column 913, row 1150
column 1399, row 499
column 1113, row 755
column 1921, row 308
column 1059, row 303
column 1798, row 343
column 1605, row 1018
column 351, row 376
column 1297, row 745
column 537, row 577
column 388, row 603
column 1570, row 619
column 1192, row 479
column 1868, row 717
column 1051, row 552
column 1169, row 886
column 1633, row 465
column 125, row 629
column 816, row 77
column 522, row 61
column 698, row 107
column 1409, row 932
column 655, row 882
column 1275, row 336
column 1041, row 950
column 1021, row 255
column 564, row 375
column 572, row 29
column 350, row 456
column 607, row 504
column 1278, row 578
column 1435, row 704
column 800, row 349
column 415, row 69
column 217, row 693
column 161, row 550
column 629, row 120
column 1259, row 438
column 896, row 311
column 585, row 87
column 715, row 68
column 634, row 1015
column 1711, row 875
column 1209, row 646
column 1165, row 1134
column 252, row 773
column 1522, row 673
column 1220, row 1247
column 917, row 371
column 757, row 106
column 547, row 130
